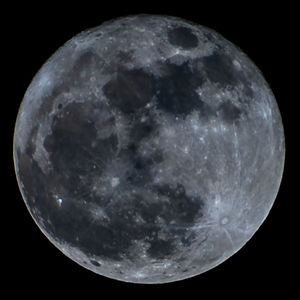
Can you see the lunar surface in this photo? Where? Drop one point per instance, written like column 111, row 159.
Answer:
column 149, row 149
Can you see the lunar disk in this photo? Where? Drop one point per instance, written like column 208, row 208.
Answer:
column 149, row 149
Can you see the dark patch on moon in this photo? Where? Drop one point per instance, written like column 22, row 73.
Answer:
column 69, row 144
column 71, row 220
column 176, row 91
column 160, row 249
column 35, row 185
column 139, row 175
column 130, row 90
column 229, row 112
column 219, row 69
column 182, row 37
column 142, row 129
column 139, row 172
column 124, row 57
column 182, row 207
column 71, row 156
column 105, row 241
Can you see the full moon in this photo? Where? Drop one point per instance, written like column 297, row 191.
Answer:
column 149, row 149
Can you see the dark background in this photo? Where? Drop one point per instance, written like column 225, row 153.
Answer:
column 268, row 35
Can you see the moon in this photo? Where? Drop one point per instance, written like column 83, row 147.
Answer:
column 149, row 149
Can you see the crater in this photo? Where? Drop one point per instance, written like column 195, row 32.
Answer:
column 95, row 263
column 224, row 220
column 182, row 37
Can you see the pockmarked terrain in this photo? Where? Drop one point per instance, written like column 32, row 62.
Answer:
column 149, row 149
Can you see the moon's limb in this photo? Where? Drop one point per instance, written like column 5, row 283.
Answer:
column 149, row 152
